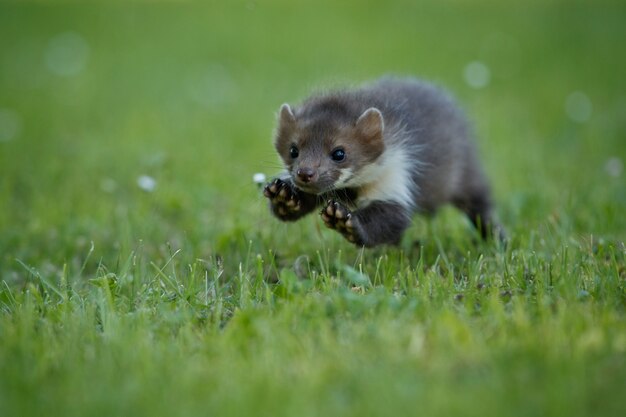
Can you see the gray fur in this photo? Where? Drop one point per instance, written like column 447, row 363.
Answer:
column 433, row 158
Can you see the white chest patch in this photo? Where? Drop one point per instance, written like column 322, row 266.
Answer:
column 389, row 179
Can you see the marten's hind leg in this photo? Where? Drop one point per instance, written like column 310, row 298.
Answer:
column 478, row 207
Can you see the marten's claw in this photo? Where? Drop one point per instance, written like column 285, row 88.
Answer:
column 284, row 199
column 272, row 188
column 279, row 191
column 338, row 217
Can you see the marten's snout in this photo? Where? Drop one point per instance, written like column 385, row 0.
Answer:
column 306, row 175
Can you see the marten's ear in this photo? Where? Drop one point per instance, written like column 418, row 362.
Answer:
column 286, row 128
column 370, row 125
column 286, row 116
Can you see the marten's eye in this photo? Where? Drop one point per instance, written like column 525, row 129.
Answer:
column 338, row 155
column 293, row 151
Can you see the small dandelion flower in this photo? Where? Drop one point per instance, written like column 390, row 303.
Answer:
column 259, row 178
column 146, row 183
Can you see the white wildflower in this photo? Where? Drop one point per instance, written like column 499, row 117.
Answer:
column 146, row 183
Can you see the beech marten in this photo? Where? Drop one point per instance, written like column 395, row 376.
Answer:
column 373, row 156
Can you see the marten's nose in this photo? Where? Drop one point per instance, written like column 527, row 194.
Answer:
column 306, row 174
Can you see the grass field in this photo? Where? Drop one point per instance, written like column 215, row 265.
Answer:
column 142, row 274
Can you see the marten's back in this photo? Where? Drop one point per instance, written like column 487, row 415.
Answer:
column 425, row 122
column 429, row 124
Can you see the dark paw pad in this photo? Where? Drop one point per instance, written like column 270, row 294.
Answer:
column 283, row 198
column 339, row 218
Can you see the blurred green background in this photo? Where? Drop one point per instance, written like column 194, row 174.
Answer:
column 93, row 96
column 137, row 127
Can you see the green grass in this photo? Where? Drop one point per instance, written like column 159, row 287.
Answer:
column 193, row 300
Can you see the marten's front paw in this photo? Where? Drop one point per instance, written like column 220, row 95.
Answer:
column 284, row 199
column 338, row 217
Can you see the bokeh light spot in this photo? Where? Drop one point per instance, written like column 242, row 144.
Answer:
column 67, row 54
column 10, row 125
column 477, row 74
column 614, row 167
column 578, row 107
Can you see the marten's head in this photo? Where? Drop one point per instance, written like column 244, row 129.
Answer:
column 325, row 147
